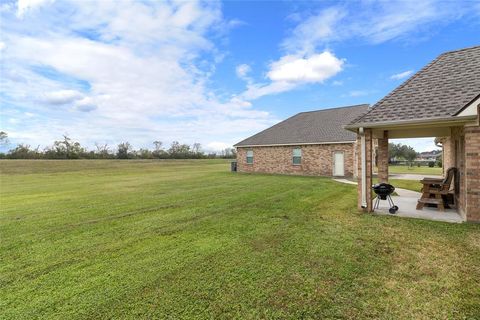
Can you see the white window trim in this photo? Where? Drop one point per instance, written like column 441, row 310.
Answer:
column 294, row 156
column 246, row 160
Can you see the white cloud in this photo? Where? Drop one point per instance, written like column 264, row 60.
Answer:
column 218, row 146
column 142, row 84
column 419, row 144
column 372, row 21
column 292, row 71
column 62, row 96
column 85, row 105
column 255, row 90
column 306, row 35
column 401, row 75
column 242, row 72
column 358, row 93
column 315, row 68
column 24, row 5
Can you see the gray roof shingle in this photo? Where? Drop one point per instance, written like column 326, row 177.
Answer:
column 441, row 89
column 312, row 127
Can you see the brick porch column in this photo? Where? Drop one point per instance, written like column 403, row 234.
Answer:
column 368, row 171
column 472, row 173
column 382, row 156
column 448, row 160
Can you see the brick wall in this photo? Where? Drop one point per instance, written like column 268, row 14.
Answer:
column 457, row 160
column 472, row 173
column 448, row 156
column 382, row 158
column 316, row 159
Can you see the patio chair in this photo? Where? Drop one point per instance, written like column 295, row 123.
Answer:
column 437, row 191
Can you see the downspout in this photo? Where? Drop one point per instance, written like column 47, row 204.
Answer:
column 364, row 167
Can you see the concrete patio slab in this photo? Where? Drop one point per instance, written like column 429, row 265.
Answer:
column 407, row 208
column 406, row 201
column 345, row 181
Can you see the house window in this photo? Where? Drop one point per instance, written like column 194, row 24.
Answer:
column 249, row 156
column 297, row 156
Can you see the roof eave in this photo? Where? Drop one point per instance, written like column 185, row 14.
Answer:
column 291, row 144
column 400, row 123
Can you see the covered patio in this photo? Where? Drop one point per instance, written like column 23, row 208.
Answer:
column 407, row 200
column 442, row 100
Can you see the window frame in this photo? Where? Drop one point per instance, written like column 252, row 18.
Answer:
column 251, row 157
column 299, row 157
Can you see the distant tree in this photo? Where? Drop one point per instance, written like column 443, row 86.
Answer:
column 228, row 153
column 23, row 151
column 70, row 149
column 401, row 151
column 196, row 148
column 158, row 151
column 158, row 145
column 144, row 154
column 124, row 151
column 3, row 138
column 179, row 151
column 393, row 151
column 409, row 153
column 102, row 151
column 65, row 149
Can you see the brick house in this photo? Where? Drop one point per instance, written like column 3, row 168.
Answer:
column 309, row 143
column 441, row 100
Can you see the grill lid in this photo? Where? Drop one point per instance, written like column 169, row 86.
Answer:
column 383, row 188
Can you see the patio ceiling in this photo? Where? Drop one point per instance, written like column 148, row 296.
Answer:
column 439, row 128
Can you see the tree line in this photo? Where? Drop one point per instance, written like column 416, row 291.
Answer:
column 67, row 148
column 400, row 152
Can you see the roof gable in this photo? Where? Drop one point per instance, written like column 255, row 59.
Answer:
column 322, row 126
column 441, row 89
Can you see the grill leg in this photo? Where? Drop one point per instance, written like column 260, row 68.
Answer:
column 390, row 201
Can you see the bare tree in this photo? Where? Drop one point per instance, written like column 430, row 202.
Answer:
column 3, row 138
column 66, row 149
column 103, row 151
column 158, row 145
column 196, row 148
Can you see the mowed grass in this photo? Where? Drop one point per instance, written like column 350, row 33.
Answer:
column 416, row 170
column 190, row 240
column 413, row 185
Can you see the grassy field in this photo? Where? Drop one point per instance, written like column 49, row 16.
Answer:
column 416, row 170
column 190, row 240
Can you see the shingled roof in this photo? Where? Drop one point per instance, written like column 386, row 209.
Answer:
column 322, row 126
column 441, row 89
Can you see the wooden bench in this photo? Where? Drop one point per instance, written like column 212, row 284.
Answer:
column 423, row 201
column 434, row 190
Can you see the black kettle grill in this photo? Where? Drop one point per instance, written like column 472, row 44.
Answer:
column 383, row 192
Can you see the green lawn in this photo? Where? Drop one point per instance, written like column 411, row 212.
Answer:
column 413, row 185
column 188, row 239
column 416, row 170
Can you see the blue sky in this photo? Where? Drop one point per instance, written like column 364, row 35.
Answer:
column 208, row 72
